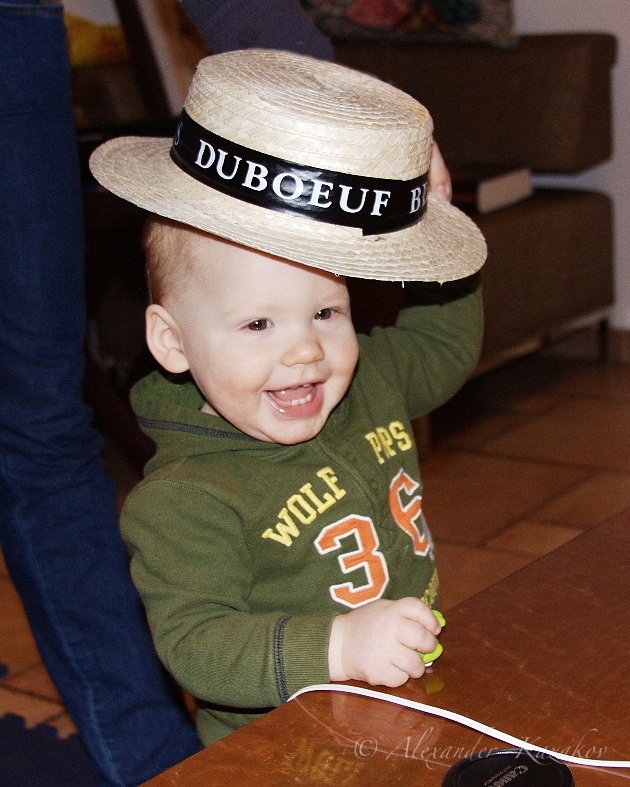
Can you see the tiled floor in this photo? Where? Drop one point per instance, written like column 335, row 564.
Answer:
column 524, row 459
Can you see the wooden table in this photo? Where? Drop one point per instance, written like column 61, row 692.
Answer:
column 543, row 655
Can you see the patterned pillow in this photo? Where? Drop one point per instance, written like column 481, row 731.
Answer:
column 490, row 21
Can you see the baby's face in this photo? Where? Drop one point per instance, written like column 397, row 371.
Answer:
column 269, row 343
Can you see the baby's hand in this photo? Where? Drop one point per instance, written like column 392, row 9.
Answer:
column 379, row 642
column 439, row 176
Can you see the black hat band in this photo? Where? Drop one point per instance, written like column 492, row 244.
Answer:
column 375, row 205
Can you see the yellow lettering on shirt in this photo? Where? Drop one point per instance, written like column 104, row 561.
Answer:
column 327, row 474
column 301, row 509
column 403, row 441
column 372, row 438
column 285, row 530
column 305, row 506
column 321, row 505
column 385, row 441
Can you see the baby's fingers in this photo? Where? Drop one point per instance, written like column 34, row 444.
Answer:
column 411, row 663
column 416, row 636
column 418, row 611
column 405, row 663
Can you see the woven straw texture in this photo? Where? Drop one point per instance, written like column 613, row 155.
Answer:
column 313, row 113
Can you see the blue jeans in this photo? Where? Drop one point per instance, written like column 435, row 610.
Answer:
column 58, row 524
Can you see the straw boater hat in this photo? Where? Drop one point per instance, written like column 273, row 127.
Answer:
column 303, row 159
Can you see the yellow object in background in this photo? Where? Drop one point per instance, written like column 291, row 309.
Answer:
column 90, row 44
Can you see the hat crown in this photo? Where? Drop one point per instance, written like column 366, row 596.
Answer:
column 279, row 104
column 341, row 172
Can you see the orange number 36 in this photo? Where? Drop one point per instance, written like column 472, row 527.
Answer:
column 367, row 555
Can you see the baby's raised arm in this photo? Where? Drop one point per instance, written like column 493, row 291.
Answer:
column 380, row 643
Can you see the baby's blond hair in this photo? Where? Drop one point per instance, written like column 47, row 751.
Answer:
column 167, row 256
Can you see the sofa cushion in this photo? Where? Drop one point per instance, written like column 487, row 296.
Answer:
column 549, row 263
column 490, row 21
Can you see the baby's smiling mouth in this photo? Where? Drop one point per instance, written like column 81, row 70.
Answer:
column 294, row 397
column 298, row 401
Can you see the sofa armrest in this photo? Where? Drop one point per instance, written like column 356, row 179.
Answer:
column 543, row 104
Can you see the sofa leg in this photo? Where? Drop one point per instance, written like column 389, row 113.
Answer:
column 603, row 339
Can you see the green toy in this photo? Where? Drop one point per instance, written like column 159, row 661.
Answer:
column 429, row 658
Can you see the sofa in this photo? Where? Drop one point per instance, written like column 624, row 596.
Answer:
column 544, row 104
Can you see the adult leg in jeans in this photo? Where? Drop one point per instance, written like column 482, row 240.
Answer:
column 58, row 523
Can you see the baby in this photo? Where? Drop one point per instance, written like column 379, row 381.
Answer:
column 278, row 539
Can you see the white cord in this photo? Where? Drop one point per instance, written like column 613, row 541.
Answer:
column 475, row 725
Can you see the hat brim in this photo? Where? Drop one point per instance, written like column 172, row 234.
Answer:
column 443, row 246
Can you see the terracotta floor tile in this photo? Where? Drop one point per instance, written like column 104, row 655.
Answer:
column 503, row 398
column 468, row 498
column 532, row 539
column 529, row 384
column 465, row 571
column 583, row 432
column 32, row 709
column 590, row 502
column 35, row 681
column 476, row 432
column 17, row 648
column 608, row 381
column 64, row 725
column 485, row 405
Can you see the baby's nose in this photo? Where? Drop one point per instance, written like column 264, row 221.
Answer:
column 304, row 348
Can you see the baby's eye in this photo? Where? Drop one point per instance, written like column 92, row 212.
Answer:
column 258, row 325
column 324, row 314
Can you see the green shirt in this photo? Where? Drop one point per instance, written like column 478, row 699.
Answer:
column 244, row 551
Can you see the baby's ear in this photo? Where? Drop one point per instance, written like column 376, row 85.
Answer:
column 163, row 338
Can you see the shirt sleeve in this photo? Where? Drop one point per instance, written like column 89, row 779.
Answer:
column 194, row 574
column 431, row 351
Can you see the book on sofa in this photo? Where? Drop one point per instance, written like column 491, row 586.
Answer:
column 483, row 188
